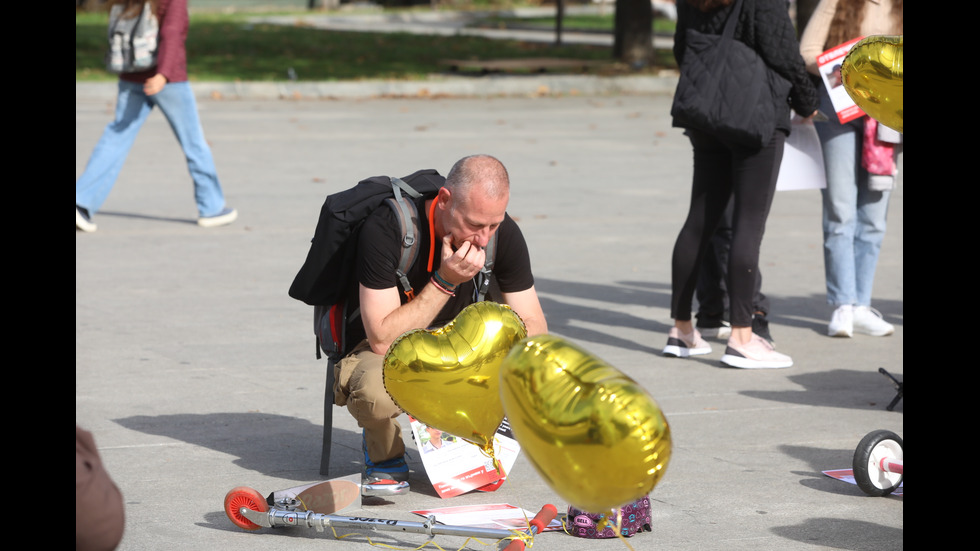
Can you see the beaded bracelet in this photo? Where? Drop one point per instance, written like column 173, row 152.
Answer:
column 442, row 282
column 450, row 292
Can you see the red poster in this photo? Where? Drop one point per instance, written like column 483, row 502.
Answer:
column 829, row 64
column 455, row 466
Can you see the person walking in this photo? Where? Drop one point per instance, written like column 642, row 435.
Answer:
column 165, row 86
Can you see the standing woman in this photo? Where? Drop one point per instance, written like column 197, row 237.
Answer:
column 164, row 86
column 855, row 203
column 723, row 171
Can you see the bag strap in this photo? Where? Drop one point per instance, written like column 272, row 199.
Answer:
column 113, row 23
column 729, row 31
column 407, row 215
column 147, row 7
column 483, row 278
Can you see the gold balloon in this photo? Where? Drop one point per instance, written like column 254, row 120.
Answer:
column 449, row 378
column 873, row 76
column 595, row 436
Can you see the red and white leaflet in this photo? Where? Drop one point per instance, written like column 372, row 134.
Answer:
column 829, row 64
column 455, row 466
column 847, row 475
column 494, row 515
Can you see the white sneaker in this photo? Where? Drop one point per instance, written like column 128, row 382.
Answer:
column 841, row 322
column 868, row 321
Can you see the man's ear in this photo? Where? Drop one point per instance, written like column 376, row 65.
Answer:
column 444, row 197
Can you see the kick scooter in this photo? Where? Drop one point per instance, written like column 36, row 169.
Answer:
column 314, row 506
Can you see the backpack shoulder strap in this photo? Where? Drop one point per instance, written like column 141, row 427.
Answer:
column 483, row 278
column 408, row 220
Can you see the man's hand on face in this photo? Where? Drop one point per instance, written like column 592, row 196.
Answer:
column 461, row 264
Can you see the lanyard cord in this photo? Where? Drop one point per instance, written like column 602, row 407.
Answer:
column 432, row 233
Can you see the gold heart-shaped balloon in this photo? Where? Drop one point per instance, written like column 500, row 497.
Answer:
column 449, row 378
column 595, row 436
column 873, row 76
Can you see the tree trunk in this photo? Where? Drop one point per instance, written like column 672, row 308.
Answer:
column 804, row 9
column 633, row 34
column 559, row 20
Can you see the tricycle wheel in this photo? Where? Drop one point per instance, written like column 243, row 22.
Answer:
column 870, row 477
column 244, row 496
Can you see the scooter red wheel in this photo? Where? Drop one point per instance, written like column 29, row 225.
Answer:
column 873, row 448
column 243, row 496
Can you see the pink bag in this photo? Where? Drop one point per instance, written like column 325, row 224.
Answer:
column 633, row 518
column 877, row 157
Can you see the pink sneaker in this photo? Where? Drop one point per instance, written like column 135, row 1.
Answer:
column 756, row 354
column 682, row 346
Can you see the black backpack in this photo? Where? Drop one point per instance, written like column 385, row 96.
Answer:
column 326, row 281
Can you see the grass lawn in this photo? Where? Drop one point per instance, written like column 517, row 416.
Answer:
column 572, row 22
column 226, row 47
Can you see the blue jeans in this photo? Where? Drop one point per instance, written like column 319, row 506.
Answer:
column 176, row 102
column 854, row 216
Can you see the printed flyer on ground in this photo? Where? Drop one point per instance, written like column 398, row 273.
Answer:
column 829, row 63
column 455, row 466
column 847, row 475
column 493, row 516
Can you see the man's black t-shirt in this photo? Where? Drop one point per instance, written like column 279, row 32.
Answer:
column 379, row 250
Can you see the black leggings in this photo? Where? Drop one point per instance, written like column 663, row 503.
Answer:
column 722, row 173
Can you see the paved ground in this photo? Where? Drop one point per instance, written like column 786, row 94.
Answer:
column 196, row 373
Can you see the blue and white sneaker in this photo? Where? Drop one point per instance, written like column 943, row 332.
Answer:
column 391, row 470
column 223, row 218
column 83, row 220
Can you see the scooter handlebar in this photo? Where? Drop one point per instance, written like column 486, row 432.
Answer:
column 538, row 524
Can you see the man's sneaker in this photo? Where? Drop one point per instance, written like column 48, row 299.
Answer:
column 868, row 321
column 841, row 322
column 760, row 326
column 714, row 328
column 83, row 220
column 223, row 218
column 383, row 488
column 395, row 469
column 756, row 354
column 682, row 346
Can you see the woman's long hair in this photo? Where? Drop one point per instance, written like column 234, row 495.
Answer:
column 846, row 24
column 131, row 8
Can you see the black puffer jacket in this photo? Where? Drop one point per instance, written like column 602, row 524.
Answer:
column 765, row 26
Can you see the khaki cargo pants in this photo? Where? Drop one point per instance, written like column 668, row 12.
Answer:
column 359, row 385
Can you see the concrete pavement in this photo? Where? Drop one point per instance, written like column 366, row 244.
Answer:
column 195, row 371
column 443, row 85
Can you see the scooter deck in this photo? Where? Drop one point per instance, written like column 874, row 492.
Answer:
column 330, row 496
column 324, row 497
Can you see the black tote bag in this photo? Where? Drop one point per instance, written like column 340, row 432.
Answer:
column 726, row 89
